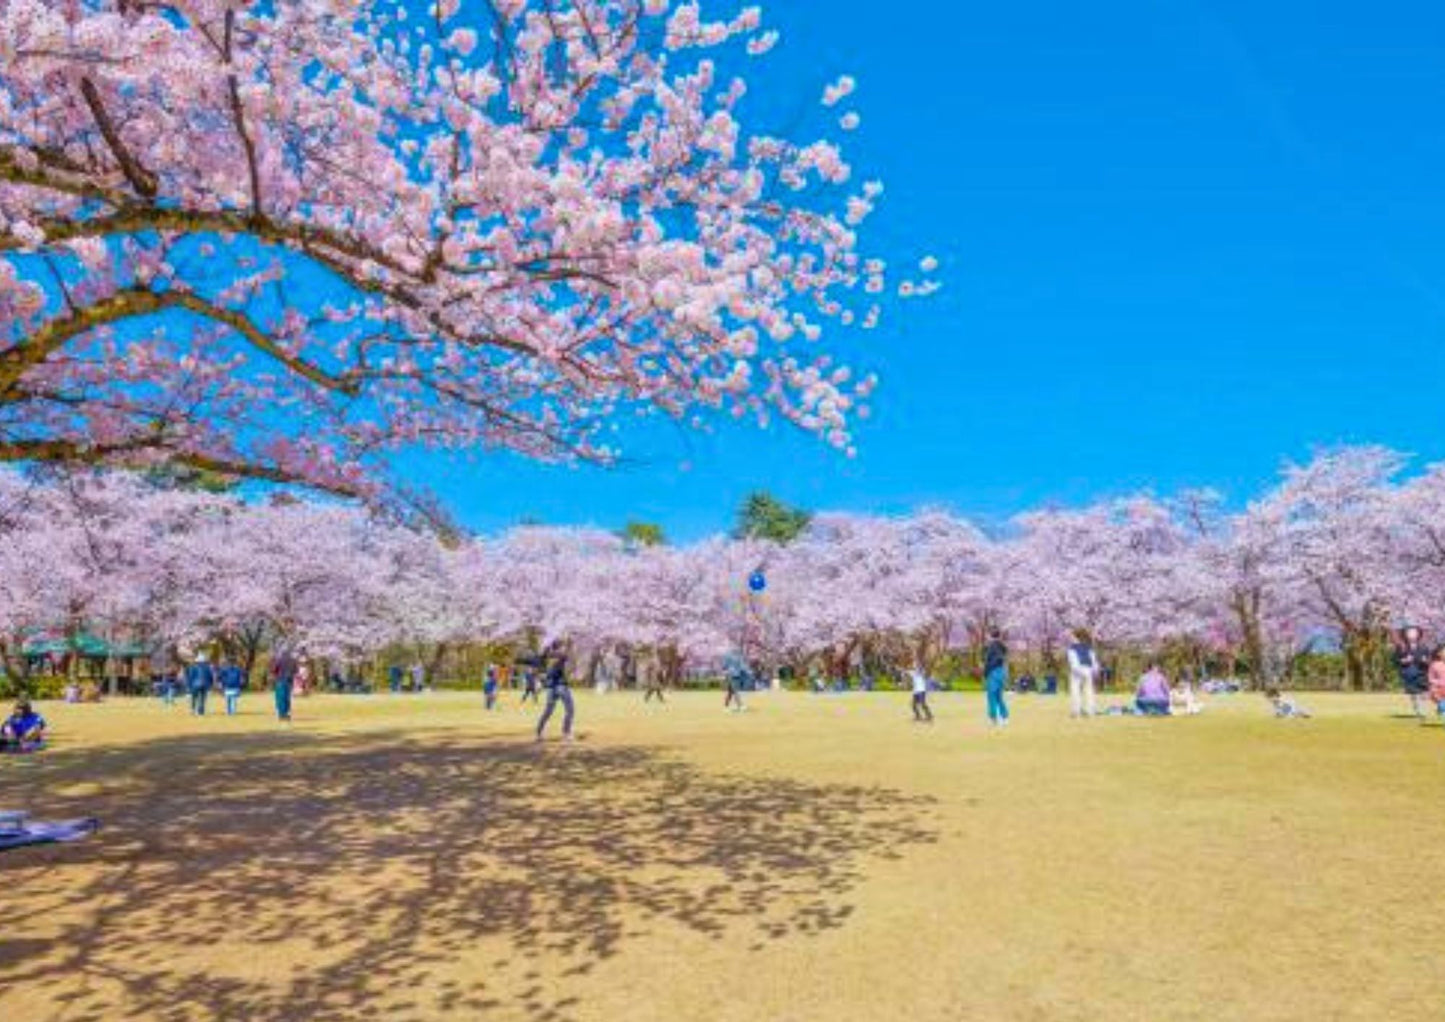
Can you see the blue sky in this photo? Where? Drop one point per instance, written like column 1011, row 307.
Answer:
column 1182, row 241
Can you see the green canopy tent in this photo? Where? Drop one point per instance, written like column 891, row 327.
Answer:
column 86, row 648
column 83, row 644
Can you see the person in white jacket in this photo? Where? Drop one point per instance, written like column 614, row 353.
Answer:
column 1084, row 669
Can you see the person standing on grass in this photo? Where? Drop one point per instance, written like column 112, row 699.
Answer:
column 919, row 683
column 995, row 677
column 558, row 691
column 489, row 687
column 1084, row 668
column 736, row 674
column 1412, row 661
column 233, row 679
column 1437, row 681
column 283, row 678
column 652, row 676
column 200, row 679
column 394, row 678
column 529, row 684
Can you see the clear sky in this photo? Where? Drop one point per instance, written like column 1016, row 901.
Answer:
column 1182, row 240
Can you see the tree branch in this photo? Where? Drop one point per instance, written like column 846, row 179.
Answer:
column 139, row 301
column 141, row 179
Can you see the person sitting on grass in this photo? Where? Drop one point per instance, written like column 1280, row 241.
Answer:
column 23, row 730
column 1153, row 697
column 1284, row 706
column 1183, row 699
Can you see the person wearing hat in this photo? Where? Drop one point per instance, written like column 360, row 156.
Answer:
column 200, row 679
column 23, row 730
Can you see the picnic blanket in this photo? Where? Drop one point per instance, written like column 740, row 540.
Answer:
column 17, row 830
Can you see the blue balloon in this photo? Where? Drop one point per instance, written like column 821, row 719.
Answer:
column 757, row 581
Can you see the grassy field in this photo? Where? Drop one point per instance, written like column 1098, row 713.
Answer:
column 413, row 857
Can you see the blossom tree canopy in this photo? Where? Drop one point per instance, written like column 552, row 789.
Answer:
column 282, row 239
column 1346, row 548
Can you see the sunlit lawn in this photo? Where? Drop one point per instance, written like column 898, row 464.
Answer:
column 816, row 858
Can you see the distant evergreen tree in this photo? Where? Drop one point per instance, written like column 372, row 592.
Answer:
column 763, row 516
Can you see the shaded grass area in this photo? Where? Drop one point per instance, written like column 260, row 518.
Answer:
column 816, row 857
column 279, row 876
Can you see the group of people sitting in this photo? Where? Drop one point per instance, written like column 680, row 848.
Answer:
column 23, row 730
column 1155, row 697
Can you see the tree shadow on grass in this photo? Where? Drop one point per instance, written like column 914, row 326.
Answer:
column 385, row 876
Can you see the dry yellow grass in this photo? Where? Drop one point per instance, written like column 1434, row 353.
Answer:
column 815, row 858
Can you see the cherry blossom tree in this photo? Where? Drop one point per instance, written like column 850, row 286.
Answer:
column 280, row 240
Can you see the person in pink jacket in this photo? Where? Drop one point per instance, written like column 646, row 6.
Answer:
column 1436, row 679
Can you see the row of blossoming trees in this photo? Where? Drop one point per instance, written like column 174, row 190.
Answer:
column 1340, row 551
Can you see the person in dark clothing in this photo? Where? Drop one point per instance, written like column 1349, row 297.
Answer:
column 1412, row 661
column 200, row 679
column 737, row 676
column 995, row 677
column 283, row 680
column 393, row 677
column 558, row 691
column 529, row 684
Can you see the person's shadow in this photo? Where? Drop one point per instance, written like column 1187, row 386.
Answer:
column 363, row 868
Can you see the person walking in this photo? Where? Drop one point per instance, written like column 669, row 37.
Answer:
column 1412, row 661
column 418, row 677
column 922, row 714
column 652, row 681
column 995, row 677
column 394, row 678
column 489, row 687
column 233, row 679
column 1084, row 670
column 558, row 691
column 200, row 679
column 283, row 678
column 737, row 675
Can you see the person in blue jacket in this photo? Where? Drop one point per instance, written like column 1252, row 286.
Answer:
column 489, row 686
column 200, row 679
column 23, row 730
column 233, row 679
